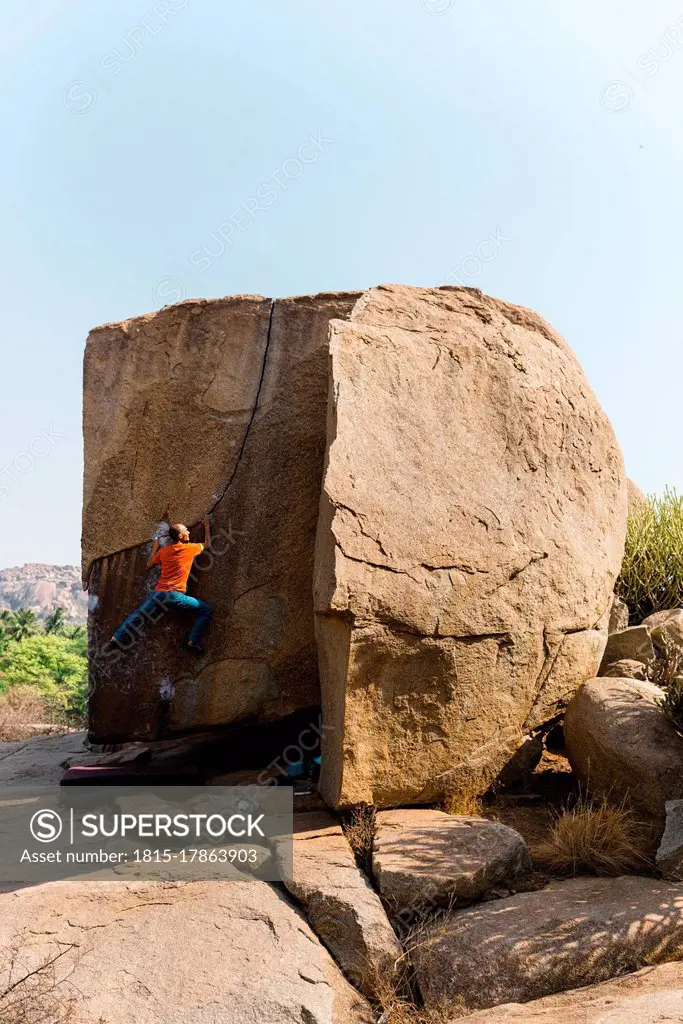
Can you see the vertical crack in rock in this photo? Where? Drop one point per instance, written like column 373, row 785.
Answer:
column 228, row 485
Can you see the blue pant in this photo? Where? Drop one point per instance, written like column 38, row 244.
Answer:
column 154, row 607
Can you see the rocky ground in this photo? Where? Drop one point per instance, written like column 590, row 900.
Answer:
column 406, row 916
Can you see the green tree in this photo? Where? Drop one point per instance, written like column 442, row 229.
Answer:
column 55, row 622
column 52, row 665
column 21, row 624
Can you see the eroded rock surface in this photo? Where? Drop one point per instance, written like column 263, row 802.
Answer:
column 341, row 906
column 573, row 933
column 200, row 952
column 471, row 530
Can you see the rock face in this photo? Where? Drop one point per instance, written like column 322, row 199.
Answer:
column 651, row 996
column 243, row 381
column 342, row 908
column 471, row 529
column 425, row 859
column 470, row 522
column 202, row 952
column 621, row 745
column 632, row 644
column 670, row 852
column 573, row 933
column 43, row 588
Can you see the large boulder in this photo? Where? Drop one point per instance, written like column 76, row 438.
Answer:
column 471, row 530
column 651, row 996
column 341, row 906
column 424, row 859
column 207, row 405
column 622, row 746
column 203, row 952
column 535, row 944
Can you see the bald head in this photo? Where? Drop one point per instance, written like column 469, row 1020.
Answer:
column 179, row 533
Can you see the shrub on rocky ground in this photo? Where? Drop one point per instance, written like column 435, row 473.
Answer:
column 668, row 663
column 651, row 577
column 38, row 994
column 24, row 712
column 594, row 836
column 359, row 828
column 672, row 703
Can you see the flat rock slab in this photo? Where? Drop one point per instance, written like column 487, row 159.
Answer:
column 632, row 644
column 670, row 852
column 573, row 933
column 621, row 745
column 38, row 761
column 424, row 858
column 651, row 996
column 202, row 953
column 342, row 908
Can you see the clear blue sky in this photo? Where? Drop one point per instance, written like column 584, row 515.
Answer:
column 132, row 131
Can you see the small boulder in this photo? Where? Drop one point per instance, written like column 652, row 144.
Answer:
column 670, row 852
column 572, row 933
column 666, row 624
column 622, row 746
column 651, row 996
column 618, row 616
column 342, row 908
column 626, row 669
column 633, row 644
column 424, row 859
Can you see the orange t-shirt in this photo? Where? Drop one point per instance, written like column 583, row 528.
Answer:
column 176, row 561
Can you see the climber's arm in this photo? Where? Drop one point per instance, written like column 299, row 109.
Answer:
column 207, row 532
column 153, row 560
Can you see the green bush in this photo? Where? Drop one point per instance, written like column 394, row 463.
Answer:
column 652, row 572
column 54, row 665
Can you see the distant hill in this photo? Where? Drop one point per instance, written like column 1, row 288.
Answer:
column 42, row 588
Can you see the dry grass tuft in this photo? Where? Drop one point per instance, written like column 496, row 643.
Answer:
column 398, row 995
column 594, row 836
column 466, row 801
column 40, row 994
column 24, row 713
column 359, row 829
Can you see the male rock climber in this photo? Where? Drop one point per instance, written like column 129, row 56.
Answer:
column 175, row 560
